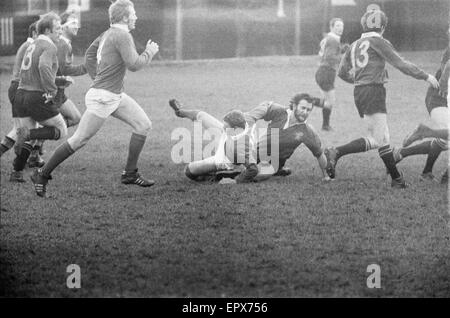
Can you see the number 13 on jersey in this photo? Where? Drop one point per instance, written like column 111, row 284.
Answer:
column 359, row 54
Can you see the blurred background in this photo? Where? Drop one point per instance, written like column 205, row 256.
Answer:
column 205, row 29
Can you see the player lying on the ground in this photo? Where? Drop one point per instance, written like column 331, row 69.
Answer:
column 233, row 157
column 437, row 107
column 108, row 58
column 364, row 65
column 287, row 128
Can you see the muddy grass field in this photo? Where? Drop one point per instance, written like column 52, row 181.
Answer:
column 287, row 237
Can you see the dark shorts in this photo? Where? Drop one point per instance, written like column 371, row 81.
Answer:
column 11, row 95
column 370, row 99
column 434, row 100
column 325, row 77
column 32, row 104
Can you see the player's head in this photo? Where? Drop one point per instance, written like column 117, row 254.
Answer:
column 234, row 119
column 122, row 11
column 70, row 24
column 50, row 25
column 337, row 26
column 32, row 32
column 301, row 105
column 374, row 21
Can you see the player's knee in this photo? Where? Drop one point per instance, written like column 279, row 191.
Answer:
column 372, row 143
column 441, row 143
column 143, row 127
column 62, row 131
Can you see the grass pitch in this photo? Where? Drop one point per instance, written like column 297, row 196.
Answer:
column 286, row 237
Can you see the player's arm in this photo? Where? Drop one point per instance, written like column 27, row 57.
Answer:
column 18, row 59
column 127, row 49
column 266, row 110
column 315, row 146
column 345, row 68
column 46, row 72
column 385, row 49
column 90, row 57
column 65, row 64
column 443, row 81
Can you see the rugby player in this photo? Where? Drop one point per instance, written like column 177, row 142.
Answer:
column 10, row 138
column 330, row 56
column 107, row 60
column 288, row 123
column 364, row 66
column 437, row 107
column 35, row 101
column 233, row 156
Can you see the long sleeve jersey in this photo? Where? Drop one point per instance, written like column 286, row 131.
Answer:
column 365, row 62
column 39, row 66
column 112, row 53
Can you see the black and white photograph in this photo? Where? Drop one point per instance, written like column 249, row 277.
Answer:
column 230, row 151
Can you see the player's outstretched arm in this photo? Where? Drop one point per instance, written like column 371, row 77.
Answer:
column 387, row 51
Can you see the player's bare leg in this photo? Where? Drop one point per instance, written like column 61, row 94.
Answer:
column 70, row 113
column 131, row 113
column 89, row 125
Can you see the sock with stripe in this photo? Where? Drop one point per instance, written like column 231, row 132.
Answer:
column 387, row 156
column 21, row 160
column 355, row 146
column 61, row 153
column 437, row 146
column 6, row 144
column 420, row 149
column 134, row 150
column 50, row 133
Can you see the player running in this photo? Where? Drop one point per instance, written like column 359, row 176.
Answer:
column 108, row 58
column 9, row 140
column 330, row 56
column 34, row 101
column 364, row 66
column 287, row 127
column 437, row 107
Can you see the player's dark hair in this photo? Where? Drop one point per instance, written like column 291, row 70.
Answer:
column 334, row 20
column 235, row 119
column 46, row 22
column 31, row 29
column 299, row 97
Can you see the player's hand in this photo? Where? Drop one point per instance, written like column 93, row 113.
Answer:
column 49, row 98
column 152, row 47
column 63, row 81
column 326, row 178
column 344, row 48
column 433, row 81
